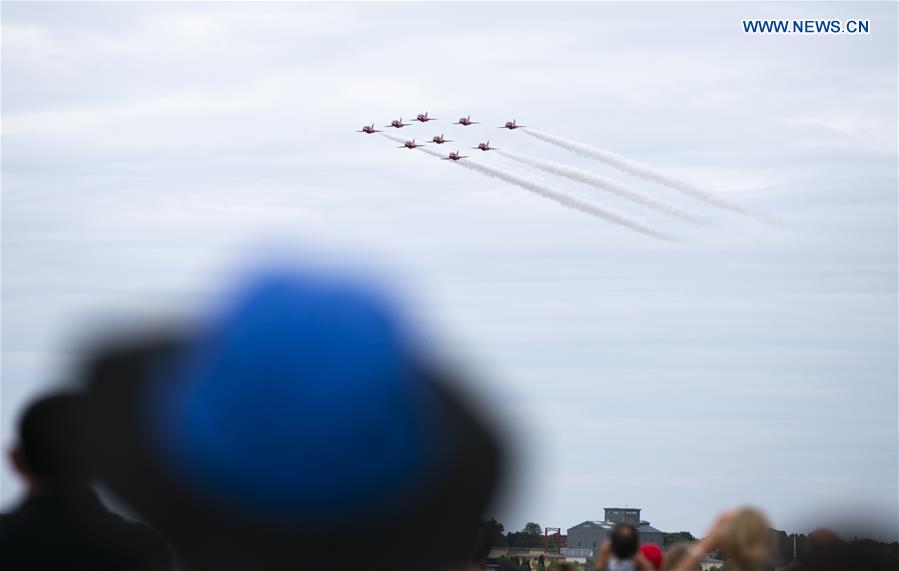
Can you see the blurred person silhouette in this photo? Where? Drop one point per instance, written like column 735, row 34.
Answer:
column 299, row 425
column 676, row 553
column 653, row 554
column 481, row 549
column 822, row 548
column 62, row 523
column 744, row 535
column 622, row 551
column 563, row 566
column 825, row 551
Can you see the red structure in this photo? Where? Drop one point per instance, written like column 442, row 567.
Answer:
column 552, row 533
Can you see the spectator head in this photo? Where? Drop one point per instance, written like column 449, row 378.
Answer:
column 819, row 548
column 45, row 454
column 481, row 548
column 748, row 540
column 301, row 412
column 625, row 540
column 653, row 554
column 674, row 555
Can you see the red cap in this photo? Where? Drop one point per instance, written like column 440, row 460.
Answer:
column 653, row 553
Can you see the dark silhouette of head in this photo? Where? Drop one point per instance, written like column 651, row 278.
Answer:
column 625, row 540
column 45, row 454
column 176, row 419
column 481, row 548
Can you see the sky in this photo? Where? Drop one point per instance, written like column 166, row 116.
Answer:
column 150, row 151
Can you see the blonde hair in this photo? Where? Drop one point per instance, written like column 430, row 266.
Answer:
column 748, row 540
column 674, row 554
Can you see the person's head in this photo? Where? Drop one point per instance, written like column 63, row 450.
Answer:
column 819, row 547
column 748, row 540
column 653, row 554
column 301, row 411
column 625, row 540
column 481, row 548
column 674, row 555
column 44, row 455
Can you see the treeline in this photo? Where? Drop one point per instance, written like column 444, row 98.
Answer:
column 531, row 535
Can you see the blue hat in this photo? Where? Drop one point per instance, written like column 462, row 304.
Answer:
column 299, row 399
column 298, row 417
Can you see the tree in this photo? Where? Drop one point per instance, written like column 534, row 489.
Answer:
column 678, row 536
column 530, row 536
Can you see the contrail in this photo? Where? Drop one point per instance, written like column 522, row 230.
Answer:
column 392, row 138
column 641, row 170
column 606, row 184
column 564, row 200
column 552, row 194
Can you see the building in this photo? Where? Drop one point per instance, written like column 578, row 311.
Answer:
column 590, row 535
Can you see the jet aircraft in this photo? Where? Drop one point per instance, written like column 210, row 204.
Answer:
column 398, row 123
column 410, row 145
column 466, row 121
column 511, row 125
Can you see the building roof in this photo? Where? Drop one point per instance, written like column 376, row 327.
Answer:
column 646, row 528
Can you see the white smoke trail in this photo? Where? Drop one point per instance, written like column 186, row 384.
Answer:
column 550, row 193
column 641, row 170
column 606, row 184
column 392, row 138
column 564, row 200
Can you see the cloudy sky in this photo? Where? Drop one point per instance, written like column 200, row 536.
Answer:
column 150, row 150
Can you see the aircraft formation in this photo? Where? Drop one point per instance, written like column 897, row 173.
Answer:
column 518, row 176
column 438, row 139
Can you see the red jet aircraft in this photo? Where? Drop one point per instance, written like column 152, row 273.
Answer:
column 398, row 123
column 511, row 125
column 484, row 147
column 454, row 157
column 368, row 129
column 439, row 140
column 466, row 121
column 411, row 145
column 423, row 117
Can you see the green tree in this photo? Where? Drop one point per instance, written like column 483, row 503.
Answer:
column 530, row 536
column 677, row 537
